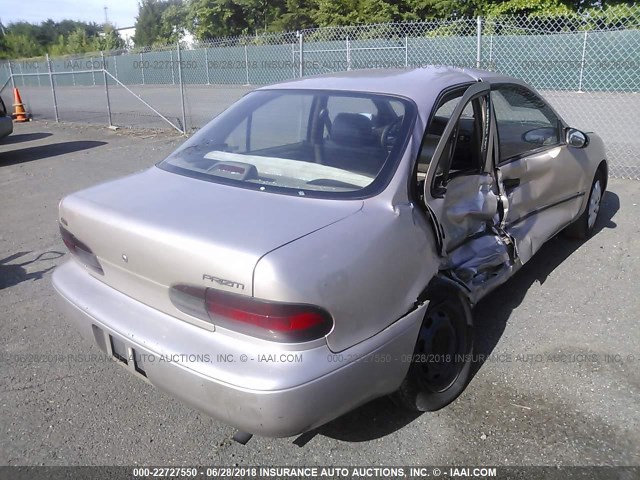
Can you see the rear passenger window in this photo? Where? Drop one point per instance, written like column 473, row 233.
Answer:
column 525, row 122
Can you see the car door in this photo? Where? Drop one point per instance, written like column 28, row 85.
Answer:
column 540, row 176
column 463, row 195
column 446, row 187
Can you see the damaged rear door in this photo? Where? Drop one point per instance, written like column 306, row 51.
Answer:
column 463, row 195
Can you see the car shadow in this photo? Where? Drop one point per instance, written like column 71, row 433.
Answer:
column 25, row 137
column 14, row 157
column 372, row 420
column 492, row 313
column 14, row 273
column 381, row 417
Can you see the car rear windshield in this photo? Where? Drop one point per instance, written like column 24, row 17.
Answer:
column 300, row 142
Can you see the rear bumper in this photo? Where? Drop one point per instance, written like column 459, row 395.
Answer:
column 262, row 388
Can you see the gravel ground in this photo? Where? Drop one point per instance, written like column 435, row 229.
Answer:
column 524, row 406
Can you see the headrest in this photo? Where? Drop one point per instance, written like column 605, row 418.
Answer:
column 352, row 129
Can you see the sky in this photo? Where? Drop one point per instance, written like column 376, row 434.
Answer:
column 121, row 13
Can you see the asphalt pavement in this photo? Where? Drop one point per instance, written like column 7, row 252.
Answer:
column 560, row 384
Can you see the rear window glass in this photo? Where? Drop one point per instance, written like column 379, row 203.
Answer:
column 315, row 143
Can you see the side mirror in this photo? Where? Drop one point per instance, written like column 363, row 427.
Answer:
column 576, row 139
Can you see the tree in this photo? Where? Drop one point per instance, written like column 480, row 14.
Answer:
column 531, row 7
column 151, row 27
column 339, row 12
column 217, row 18
column 260, row 14
column 20, row 45
column 175, row 20
column 351, row 12
column 109, row 40
column 428, row 9
column 26, row 40
column 4, row 48
column 295, row 15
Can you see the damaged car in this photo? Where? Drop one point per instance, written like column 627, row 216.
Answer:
column 323, row 241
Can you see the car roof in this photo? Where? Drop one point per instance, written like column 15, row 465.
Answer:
column 423, row 85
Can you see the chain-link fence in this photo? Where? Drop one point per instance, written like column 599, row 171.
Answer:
column 586, row 66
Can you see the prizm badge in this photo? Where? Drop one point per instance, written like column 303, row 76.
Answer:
column 223, row 281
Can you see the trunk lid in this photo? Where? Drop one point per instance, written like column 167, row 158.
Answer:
column 155, row 229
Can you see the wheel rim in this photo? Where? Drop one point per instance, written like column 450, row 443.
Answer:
column 594, row 203
column 438, row 350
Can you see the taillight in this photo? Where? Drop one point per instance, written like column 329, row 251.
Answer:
column 275, row 321
column 81, row 251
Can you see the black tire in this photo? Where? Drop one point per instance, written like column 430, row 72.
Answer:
column 582, row 228
column 441, row 364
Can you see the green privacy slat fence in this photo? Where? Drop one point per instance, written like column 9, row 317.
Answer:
column 606, row 61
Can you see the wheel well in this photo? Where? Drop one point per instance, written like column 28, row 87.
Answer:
column 441, row 287
column 604, row 169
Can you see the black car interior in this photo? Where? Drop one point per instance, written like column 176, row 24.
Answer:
column 357, row 142
column 352, row 144
column 466, row 153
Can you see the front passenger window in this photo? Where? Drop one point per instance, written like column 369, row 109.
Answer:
column 525, row 122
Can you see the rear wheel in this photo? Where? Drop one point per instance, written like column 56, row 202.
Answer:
column 441, row 362
column 583, row 227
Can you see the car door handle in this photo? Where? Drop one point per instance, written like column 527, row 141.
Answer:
column 511, row 183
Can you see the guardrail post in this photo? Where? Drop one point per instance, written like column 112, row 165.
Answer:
column 173, row 70
column 184, row 116
column 13, row 83
column 301, row 47
column 478, row 41
column 293, row 60
column 106, row 86
column 20, row 64
column 142, row 67
column 491, row 51
column 584, row 51
column 406, row 52
column 53, row 89
column 206, row 63
column 246, row 63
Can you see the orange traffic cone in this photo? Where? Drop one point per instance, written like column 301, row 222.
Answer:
column 19, row 115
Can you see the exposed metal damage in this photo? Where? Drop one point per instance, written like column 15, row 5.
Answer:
column 480, row 254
